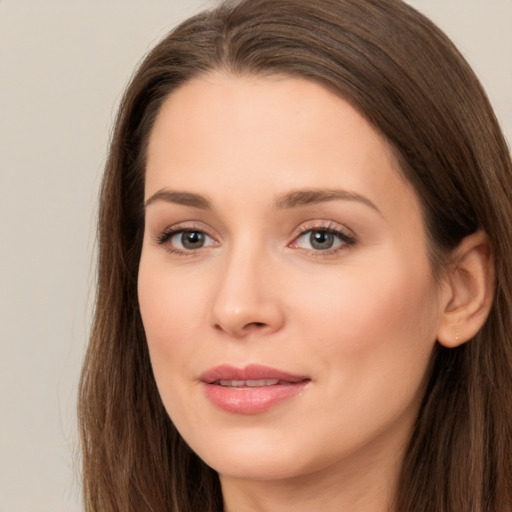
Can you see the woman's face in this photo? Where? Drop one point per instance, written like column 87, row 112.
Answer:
column 284, row 285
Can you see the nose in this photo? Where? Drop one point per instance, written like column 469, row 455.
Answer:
column 246, row 301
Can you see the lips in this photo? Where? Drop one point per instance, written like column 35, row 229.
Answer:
column 250, row 390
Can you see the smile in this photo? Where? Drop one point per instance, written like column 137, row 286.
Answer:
column 251, row 390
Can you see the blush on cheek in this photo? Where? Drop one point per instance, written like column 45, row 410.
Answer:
column 378, row 310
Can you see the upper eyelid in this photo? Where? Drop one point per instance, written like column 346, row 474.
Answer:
column 187, row 226
column 319, row 225
column 340, row 234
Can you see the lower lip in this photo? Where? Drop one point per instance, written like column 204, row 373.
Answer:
column 248, row 400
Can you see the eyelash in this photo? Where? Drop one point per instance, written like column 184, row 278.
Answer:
column 168, row 234
column 342, row 236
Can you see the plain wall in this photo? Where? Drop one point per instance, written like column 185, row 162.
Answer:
column 63, row 67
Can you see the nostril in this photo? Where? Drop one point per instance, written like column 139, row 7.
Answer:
column 254, row 325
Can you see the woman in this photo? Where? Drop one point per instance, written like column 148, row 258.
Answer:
column 304, row 287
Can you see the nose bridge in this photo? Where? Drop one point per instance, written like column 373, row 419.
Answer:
column 245, row 300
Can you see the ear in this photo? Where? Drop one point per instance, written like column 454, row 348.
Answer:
column 467, row 291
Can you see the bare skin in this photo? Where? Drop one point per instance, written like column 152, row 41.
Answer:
column 280, row 232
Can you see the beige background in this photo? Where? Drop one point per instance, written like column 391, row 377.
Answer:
column 63, row 66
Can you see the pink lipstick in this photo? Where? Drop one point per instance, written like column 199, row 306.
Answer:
column 250, row 390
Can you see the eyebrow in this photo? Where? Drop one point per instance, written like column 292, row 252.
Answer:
column 306, row 197
column 294, row 199
column 183, row 198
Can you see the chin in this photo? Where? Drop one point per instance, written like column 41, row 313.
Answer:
column 260, row 454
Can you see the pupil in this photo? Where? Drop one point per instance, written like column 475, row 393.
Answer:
column 192, row 239
column 321, row 240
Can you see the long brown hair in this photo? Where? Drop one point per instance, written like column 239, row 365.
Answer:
column 408, row 79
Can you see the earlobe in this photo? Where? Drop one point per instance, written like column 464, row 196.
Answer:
column 468, row 291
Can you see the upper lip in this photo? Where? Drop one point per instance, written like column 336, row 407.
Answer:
column 249, row 372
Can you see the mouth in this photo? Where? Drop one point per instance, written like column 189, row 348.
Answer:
column 250, row 390
column 248, row 383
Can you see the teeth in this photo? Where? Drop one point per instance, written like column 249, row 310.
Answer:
column 261, row 382
column 232, row 383
column 248, row 383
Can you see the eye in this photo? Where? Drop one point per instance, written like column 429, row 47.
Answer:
column 185, row 240
column 323, row 240
column 189, row 240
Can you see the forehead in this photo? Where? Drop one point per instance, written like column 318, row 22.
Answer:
column 254, row 101
column 222, row 132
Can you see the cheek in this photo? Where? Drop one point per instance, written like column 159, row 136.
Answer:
column 371, row 339
column 170, row 316
column 171, row 310
column 372, row 326
column 171, row 298
column 363, row 305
